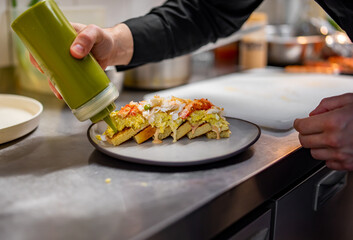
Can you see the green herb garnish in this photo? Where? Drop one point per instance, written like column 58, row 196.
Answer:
column 147, row 107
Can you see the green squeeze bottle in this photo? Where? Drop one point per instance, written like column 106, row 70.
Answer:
column 82, row 83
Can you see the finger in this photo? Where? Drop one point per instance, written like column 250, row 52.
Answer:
column 331, row 154
column 330, row 103
column 318, row 110
column 78, row 26
column 324, row 154
column 54, row 90
column 313, row 141
column 85, row 41
column 309, row 125
column 34, row 62
column 334, row 165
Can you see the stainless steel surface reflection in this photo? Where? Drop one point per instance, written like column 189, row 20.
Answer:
column 53, row 181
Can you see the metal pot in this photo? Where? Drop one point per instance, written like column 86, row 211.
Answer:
column 287, row 47
column 161, row 75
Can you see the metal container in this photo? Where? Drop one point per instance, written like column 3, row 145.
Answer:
column 161, row 75
column 117, row 78
column 287, row 46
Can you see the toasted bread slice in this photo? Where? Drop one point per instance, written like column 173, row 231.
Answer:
column 165, row 134
column 124, row 135
column 223, row 134
column 145, row 134
column 182, row 130
column 218, row 133
column 200, row 130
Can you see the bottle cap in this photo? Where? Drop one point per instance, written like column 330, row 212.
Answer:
column 97, row 104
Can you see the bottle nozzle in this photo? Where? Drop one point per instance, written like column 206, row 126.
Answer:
column 105, row 115
column 111, row 124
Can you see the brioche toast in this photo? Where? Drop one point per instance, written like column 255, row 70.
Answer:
column 124, row 135
column 159, row 118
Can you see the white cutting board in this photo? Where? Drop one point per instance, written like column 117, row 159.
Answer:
column 267, row 97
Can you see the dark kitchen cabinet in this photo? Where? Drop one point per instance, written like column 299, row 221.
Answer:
column 258, row 229
column 315, row 207
column 302, row 212
column 256, row 226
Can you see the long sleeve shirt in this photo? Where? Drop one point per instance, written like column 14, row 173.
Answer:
column 181, row 26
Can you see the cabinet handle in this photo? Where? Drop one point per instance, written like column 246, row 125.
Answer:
column 328, row 186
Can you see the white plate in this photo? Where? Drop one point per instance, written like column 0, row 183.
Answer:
column 19, row 115
column 184, row 152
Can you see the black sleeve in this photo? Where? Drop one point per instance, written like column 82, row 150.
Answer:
column 182, row 26
column 341, row 11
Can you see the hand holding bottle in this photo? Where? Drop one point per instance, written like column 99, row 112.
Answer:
column 110, row 46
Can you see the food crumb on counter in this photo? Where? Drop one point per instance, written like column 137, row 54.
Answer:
column 108, row 180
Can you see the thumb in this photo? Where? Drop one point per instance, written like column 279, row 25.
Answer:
column 79, row 51
column 85, row 40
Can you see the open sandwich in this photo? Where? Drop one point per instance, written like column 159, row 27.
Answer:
column 159, row 118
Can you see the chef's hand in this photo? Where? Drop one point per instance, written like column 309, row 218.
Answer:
column 328, row 132
column 109, row 46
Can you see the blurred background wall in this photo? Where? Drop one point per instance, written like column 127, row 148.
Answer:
column 107, row 13
column 104, row 13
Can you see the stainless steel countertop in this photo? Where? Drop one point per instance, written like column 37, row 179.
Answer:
column 53, row 185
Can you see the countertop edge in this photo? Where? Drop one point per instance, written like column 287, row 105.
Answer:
column 231, row 205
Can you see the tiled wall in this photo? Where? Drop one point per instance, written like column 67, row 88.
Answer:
column 104, row 13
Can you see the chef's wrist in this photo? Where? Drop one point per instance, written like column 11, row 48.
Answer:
column 123, row 44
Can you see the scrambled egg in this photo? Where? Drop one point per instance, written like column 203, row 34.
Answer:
column 201, row 116
column 163, row 120
column 134, row 122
